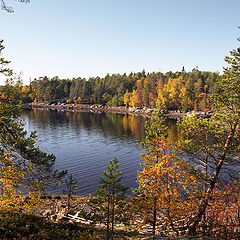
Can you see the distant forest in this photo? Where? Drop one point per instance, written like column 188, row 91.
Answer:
column 172, row 91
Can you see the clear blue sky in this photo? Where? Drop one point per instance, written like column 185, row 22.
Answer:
column 71, row 38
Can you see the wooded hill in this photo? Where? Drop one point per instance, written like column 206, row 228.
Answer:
column 173, row 91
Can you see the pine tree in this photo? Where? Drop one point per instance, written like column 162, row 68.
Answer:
column 72, row 187
column 214, row 142
column 109, row 205
column 24, row 168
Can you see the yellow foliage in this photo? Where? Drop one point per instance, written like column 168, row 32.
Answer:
column 13, row 195
column 165, row 180
column 151, row 99
column 134, row 101
column 25, row 89
column 172, row 94
column 77, row 100
column 163, row 171
column 127, row 99
column 136, row 98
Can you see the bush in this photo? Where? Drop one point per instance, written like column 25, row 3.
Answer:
column 28, row 227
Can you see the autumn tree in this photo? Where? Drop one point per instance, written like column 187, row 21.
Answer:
column 222, row 220
column 127, row 98
column 165, row 182
column 213, row 143
column 137, row 95
column 172, row 94
column 180, row 90
column 24, row 169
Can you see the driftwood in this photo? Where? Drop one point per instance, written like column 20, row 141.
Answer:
column 76, row 218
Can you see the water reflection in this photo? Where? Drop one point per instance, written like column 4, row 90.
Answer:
column 84, row 143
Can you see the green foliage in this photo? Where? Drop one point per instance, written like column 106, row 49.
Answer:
column 109, row 205
column 14, row 139
column 214, row 143
column 165, row 182
column 180, row 90
column 4, row 62
column 114, row 101
column 18, row 153
column 72, row 187
column 206, row 139
column 154, row 128
column 226, row 100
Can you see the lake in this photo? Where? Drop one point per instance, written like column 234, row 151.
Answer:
column 84, row 143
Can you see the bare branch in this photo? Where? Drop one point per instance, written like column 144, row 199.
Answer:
column 10, row 9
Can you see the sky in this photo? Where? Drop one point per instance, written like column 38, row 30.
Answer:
column 89, row 38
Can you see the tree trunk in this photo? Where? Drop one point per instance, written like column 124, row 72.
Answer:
column 113, row 207
column 69, row 198
column 204, row 202
column 108, row 215
column 169, row 215
column 154, row 217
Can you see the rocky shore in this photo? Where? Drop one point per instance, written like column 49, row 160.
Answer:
column 97, row 108
column 54, row 208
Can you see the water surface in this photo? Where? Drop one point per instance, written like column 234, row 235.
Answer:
column 84, row 143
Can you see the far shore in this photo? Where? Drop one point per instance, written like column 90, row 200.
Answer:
column 97, row 108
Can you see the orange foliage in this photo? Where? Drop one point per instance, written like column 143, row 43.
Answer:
column 11, row 197
column 25, row 89
column 151, row 99
column 222, row 218
column 77, row 100
column 137, row 95
column 166, row 182
column 127, row 99
column 162, row 173
column 172, row 94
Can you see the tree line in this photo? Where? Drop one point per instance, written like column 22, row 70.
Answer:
column 173, row 91
column 189, row 186
column 182, row 188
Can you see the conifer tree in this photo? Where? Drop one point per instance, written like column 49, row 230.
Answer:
column 23, row 167
column 109, row 205
column 214, row 142
column 72, row 187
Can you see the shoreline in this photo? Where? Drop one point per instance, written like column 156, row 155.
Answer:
column 55, row 209
column 97, row 108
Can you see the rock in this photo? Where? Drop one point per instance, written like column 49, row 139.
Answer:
column 47, row 213
column 59, row 218
column 53, row 217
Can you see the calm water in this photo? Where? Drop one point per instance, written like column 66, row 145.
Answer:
column 84, row 143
